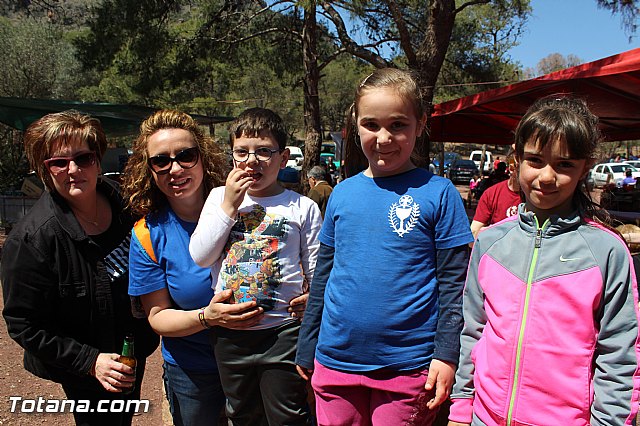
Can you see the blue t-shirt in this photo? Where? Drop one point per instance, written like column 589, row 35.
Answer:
column 381, row 299
column 189, row 285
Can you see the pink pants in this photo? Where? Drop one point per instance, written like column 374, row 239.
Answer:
column 374, row 398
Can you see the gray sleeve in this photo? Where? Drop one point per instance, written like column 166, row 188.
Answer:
column 616, row 353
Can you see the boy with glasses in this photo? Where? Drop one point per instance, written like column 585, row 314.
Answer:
column 260, row 240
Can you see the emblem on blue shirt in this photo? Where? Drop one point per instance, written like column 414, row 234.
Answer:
column 403, row 215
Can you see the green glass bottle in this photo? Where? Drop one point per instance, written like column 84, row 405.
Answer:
column 128, row 358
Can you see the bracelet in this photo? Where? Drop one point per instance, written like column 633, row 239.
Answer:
column 203, row 321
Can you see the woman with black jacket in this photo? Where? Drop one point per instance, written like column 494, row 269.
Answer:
column 64, row 272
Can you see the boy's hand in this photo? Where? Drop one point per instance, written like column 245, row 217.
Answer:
column 305, row 373
column 297, row 305
column 236, row 315
column 441, row 375
column 236, row 186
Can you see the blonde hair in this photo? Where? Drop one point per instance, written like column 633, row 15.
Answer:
column 66, row 128
column 139, row 187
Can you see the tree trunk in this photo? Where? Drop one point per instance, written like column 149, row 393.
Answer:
column 312, row 125
column 429, row 59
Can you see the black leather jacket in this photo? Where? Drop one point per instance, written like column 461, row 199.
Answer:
column 64, row 300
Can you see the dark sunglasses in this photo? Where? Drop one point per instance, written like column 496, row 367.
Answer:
column 187, row 158
column 58, row 165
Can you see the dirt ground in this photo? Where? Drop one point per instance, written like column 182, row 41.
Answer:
column 16, row 381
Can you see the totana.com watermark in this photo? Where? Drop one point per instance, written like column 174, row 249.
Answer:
column 41, row 405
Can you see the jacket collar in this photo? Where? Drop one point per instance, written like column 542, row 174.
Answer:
column 555, row 224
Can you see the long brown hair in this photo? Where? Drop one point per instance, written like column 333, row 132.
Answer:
column 139, row 187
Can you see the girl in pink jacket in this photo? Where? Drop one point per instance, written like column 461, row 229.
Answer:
column 551, row 325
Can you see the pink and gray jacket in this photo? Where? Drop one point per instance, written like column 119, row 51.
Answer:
column 551, row 327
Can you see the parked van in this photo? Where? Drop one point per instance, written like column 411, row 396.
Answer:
column 476, row 156
column 296, row 158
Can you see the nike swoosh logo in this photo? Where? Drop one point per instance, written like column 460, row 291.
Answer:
column 567, row 259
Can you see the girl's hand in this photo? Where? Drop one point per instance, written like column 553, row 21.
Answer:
column 114, row 376
column 458, row 424
column 237, row 184
column 297, row 305
column 305, row 373
column 441, row 375
column 232, row 315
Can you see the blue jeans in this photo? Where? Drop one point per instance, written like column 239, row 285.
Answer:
column 194, row 398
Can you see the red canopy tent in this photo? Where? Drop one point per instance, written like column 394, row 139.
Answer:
column 611, row 86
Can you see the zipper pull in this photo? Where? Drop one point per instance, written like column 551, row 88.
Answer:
column 538, row 237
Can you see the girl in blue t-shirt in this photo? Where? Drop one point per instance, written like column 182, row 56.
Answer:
column 167, row 178
column 381, row 330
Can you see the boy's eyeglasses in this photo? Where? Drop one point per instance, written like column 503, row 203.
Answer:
column 57, row 165
column 261, row 154
column 187, row 158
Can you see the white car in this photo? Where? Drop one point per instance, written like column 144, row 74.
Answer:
column 476, row 156
column 634, row 163
column 296, row 158
column 606, row 173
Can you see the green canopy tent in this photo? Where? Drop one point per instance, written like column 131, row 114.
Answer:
column 116, row 119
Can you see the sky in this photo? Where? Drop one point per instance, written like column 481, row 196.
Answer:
column 576, row 27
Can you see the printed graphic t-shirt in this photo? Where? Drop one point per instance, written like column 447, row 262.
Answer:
column 265, row 253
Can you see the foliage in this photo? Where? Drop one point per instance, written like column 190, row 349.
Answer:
column 13, row 162
column 477, row 58
column 37, row 61
column 628, row 9
column 337, row 86
column 551, row 63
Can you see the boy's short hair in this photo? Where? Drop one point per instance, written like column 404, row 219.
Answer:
column 255, row 120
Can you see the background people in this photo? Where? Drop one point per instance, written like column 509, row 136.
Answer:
column 380, row 336
column 261, row 241
column 167, row 178
column 553, row 325
column 628, row 179
column 65, row 271
column 320, row 188
column 497, row 202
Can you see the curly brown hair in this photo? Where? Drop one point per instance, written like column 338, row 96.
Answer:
column 138, row 186
column 51, row 131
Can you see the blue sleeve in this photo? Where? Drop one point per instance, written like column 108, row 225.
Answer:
column 326, row 235
column 451, row 272
column 145, row 275
column 451, row 223
column 310, row 329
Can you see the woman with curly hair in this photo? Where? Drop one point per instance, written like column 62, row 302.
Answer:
column 167, row 179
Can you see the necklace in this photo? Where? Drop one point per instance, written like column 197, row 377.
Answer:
column 93, row 222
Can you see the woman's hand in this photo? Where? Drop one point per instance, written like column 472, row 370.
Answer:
column 232, row 315
column 236, row 186
column 114, row 376
column 297, row 305
column 305, row 373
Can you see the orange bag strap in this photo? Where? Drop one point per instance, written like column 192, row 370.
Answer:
column 143, row 235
